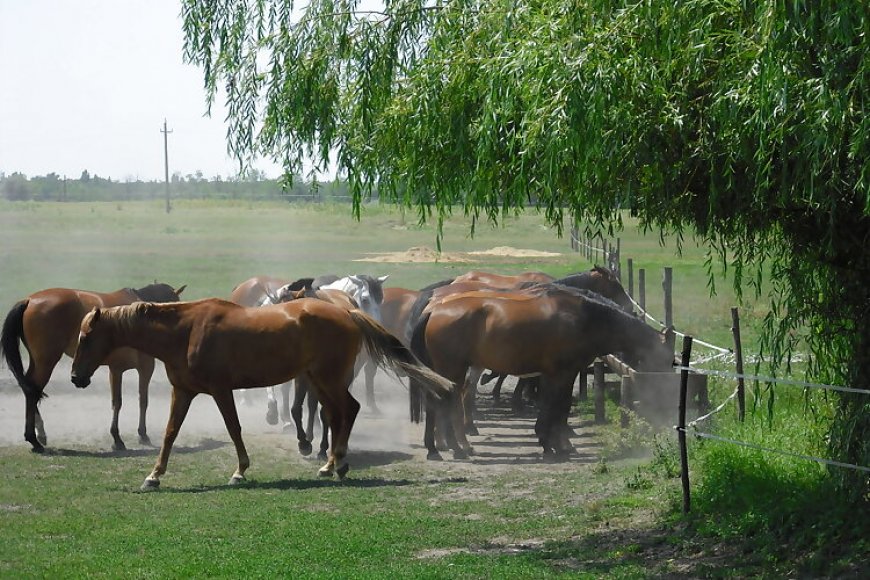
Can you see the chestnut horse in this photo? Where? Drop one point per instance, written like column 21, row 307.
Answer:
column 549, row 330
column 213, row 346
column 306, row 436
column 47, row 323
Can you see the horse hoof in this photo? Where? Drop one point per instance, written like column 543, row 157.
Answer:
column 119, row 446
column 341, row 472
column 325, row 472
column 272, row 413
column 434, row 456
column 288, row 427
column 305, row 448
column 37, row 448
column 322, row 454
column 237, row 480
column 150, row 485
column 145, row 440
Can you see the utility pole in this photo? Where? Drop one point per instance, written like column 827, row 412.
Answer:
column 166, row 133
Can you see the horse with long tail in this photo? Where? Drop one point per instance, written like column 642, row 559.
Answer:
column 213, row 346
column 47, row 324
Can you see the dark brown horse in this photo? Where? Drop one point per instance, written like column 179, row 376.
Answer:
column 599, row 280
column 47, row 323
column 552, row 331
column 213, row 346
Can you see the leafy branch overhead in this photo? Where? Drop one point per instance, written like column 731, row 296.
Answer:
column 742, row 121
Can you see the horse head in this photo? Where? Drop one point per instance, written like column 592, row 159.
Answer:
column 159, row 292
column 93, row 348
column 366, row 291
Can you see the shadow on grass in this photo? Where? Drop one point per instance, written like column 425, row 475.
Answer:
column 644, row 552
column 300, row 484
column 204, row 445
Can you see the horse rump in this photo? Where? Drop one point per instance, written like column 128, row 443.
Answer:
column 10, row 350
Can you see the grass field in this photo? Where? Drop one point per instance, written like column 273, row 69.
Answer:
column 76, row 512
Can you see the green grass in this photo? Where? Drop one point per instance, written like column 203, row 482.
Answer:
column 80, row 514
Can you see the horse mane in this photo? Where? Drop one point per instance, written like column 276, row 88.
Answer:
column 301, row 283
column 554, row 288
column 606, row 272
column 157, row 292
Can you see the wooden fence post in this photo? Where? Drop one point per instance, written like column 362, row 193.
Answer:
column 582, row 389
column 738, row 356
column 618, row 260
column 681, row 423
column 667, row 287
column 641, row 288
column 630, row 265
column 598, row 369
column 626, row 401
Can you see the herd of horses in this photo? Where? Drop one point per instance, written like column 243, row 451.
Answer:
column 321, row 332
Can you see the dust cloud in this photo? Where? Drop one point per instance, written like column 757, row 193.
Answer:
column 81, row 417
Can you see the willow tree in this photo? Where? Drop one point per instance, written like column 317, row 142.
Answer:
column 741, row 121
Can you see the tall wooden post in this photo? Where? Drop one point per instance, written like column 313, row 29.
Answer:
column 738, row 355
column 598, row 369
column 166, row 133
column 626, row 401
column 667, row 287
column 681, row 423
column 630, row 266
column 582, row 387
column 641, row 288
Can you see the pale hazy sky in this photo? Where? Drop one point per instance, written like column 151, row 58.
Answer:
column 86, row 84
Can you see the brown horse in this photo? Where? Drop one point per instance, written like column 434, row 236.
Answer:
column 599, row 280
column 552, row 331
column 213, row 346
column 47, row 323
column 306, row 436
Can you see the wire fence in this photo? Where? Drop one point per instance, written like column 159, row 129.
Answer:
column 725, row 355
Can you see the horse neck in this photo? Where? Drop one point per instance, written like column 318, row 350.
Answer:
column 138, row 327
column 616, row 331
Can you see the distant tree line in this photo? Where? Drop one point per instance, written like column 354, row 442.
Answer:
column 87, row 187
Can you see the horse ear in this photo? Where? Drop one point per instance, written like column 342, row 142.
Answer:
column 180, row 289
column 355, row 278
column 383, row 279
column 96, row 315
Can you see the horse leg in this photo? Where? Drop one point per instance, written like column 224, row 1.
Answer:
column 178, row 408
column 517, row 403
column 146, row 371
column 496, row 390
column 115, row 384
column 286, row 416
column 296, row 412
column 456, row 437
column 370, row 369
column 38, row 373
column 343, row 417
column 470, row 402
column 324, row 436
column 271, row 406
column 33, row 427
column 429, row 430
column 227, row 406
column 312, row 415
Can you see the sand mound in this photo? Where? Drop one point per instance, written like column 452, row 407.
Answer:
column 426, row 254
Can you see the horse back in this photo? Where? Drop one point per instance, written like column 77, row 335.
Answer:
column 252, row 291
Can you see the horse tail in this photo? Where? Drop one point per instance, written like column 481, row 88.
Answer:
column 418, row 349
column 388, row 351
column 13, row 332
